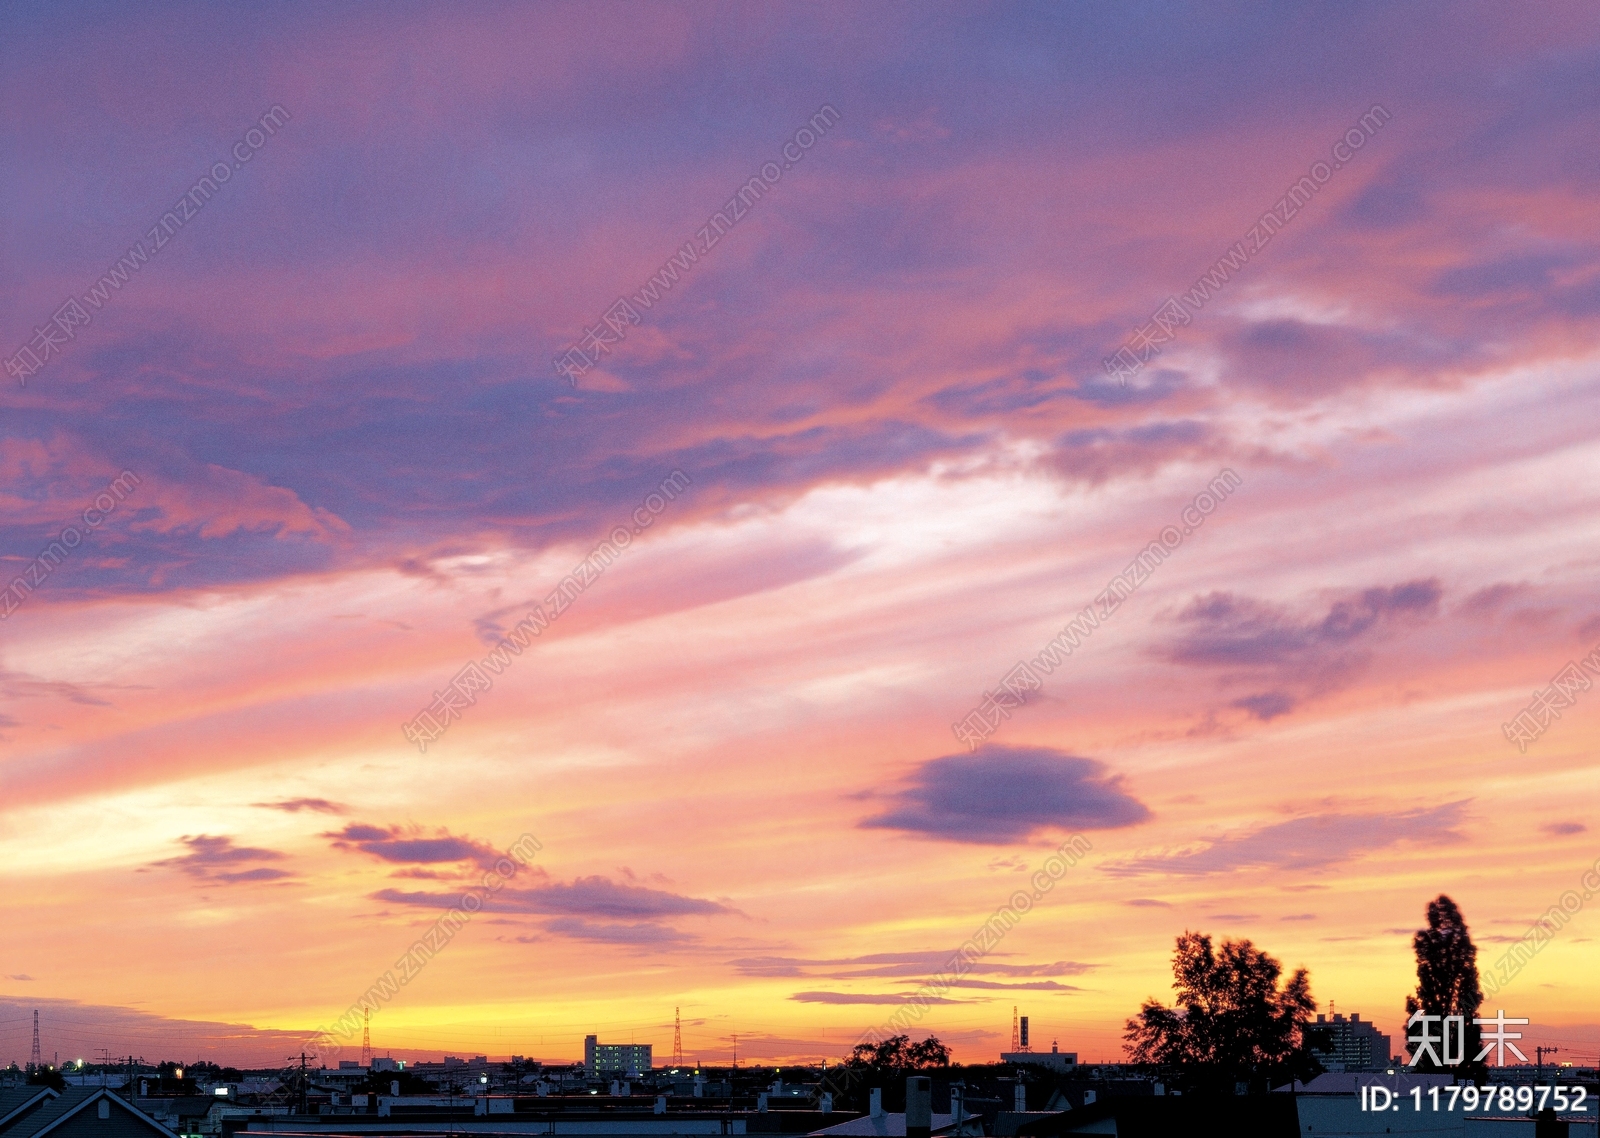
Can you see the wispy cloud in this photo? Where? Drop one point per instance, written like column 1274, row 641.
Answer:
column 1000, row 986
column 295, row 805
column 407, row 845
column 216, row 859
column 867, row 998
column 1297, row 657
column 629, row 934
column 891, row 965
column 1312, row 842
column 1563, row 829
column 595, row 909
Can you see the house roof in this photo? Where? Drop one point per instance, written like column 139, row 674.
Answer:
column 879, row 1126
column 1159, row 1116
column 65, row 1104
column 17, row 1101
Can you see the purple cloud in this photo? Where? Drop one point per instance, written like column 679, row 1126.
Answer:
column 397, row 844
column 647, row 935
column 1001, row 986
column 584, row 898
column 1000, row 794
column 1309, row 843
column 1563, row 829
column 865, row 998
column 1228, row 631
column 295, row 805
column 884, row 965
column 216, row 859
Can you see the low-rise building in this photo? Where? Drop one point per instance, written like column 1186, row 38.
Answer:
column 1054, row 1059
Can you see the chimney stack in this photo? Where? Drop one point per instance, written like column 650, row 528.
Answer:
column 919, row 1106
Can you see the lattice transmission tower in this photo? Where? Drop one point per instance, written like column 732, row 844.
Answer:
column 677, row 1038
column 35, row 1058
column 366, row 1037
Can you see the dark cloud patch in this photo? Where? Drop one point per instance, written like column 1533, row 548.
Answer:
column 1299, row 917
column 409, row 846
column 1492, row 598
column 21, row 685
column 602, row 897
column 419, row 898
column 650, row 935
column 1100, row 453
column 1297, row 656
column 1309, row 843
column 214, row 858
column 1564, row 829
column 1517, row 277
column 1148, row 903
column 295, row 805
column 1298, row 360
column 586, row 899
column 868, row 998
column 1002, row 986
column 1266, row 705
column 1229, row 631
column 1390, row 203
column 887, row 965
column 1001, row 794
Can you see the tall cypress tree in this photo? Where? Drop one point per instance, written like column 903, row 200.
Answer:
column 1447, row 972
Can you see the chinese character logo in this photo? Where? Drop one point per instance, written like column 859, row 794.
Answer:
column 1500, row 1039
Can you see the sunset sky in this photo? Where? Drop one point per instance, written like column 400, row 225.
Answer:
column 904, row 469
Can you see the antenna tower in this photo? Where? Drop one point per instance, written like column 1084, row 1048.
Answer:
column 677, row 1038
column 35, row 1059
column 1016, row 1035
column 366, row 1037
column 736, row 1049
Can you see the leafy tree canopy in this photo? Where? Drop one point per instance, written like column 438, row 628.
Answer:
column 1231, row 1023
column 898, row 1053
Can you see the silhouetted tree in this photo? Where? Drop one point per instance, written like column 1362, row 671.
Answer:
column 46, row 1077
column 898, row 1053
column 1447, row 973
column 1231, row 1022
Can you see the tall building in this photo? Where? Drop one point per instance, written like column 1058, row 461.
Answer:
column 1352, row 1044
column 615, row 1058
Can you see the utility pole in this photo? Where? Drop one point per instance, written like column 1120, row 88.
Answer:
column 1538, row 1057
column 305, row 1080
